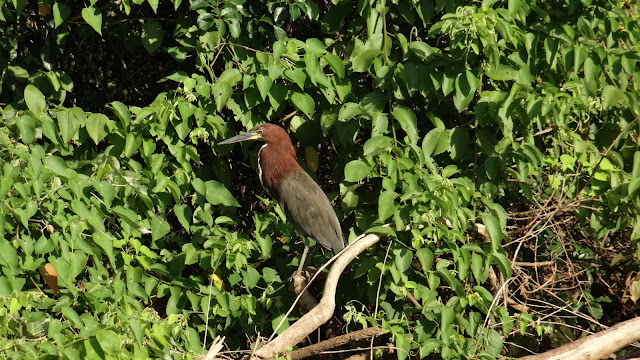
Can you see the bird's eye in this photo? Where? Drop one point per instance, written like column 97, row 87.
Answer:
column 259, row 132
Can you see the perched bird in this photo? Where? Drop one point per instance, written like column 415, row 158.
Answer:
column 303, row 202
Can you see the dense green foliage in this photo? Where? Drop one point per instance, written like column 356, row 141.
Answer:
column 429, row 115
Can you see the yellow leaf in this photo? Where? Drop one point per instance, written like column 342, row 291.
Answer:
column 44, row 9
column 311, row 157
column 50, row 276
column 217, row 281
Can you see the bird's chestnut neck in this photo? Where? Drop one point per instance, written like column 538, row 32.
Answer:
column 277, row 158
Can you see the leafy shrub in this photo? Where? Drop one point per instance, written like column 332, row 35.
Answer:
column 431, row 116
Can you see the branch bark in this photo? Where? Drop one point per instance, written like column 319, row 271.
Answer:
column 321, row 313
column 335, row 342
column 597, row 346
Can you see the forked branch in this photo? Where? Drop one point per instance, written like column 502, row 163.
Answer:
column 321, row 313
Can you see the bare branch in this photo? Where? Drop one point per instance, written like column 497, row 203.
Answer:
column 321, row 313
column 597, row 346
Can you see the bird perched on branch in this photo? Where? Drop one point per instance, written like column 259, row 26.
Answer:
column 303, row 202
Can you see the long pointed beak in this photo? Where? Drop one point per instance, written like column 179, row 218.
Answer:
column 241, row 137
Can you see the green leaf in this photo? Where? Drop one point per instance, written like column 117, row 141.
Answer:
column 356, row 170
column 93, row 17
column 107, row 192
column 402, row 259
column 60, row 13
column 336, row 64
column 634, row 182
column 376, row 145
column 217, row 194
column 404, row 346
column 72, row 316
column 263, row 82
column 26, row 126
column 55, row 164
column 422, row 49
column 109, row 341
column 122, row 112
column 304, row 102
column 514, row 6
column 436, row 142
column 152, row 35
column 105, row 242
column 362, row 61
column 386, row 205
column 407, row 119
column 296, row 75
column 350, row 110
column 9, row 256
column 154, row 5
column 159, row 227
column 184, row 215
column 34, row 99
column 68, row 124
column 502, row 73
column 231, row 76
column 95, row 127
column 315, row 45
column 221, row 94
column 466, row 85
column 492, row 225
column 612, row 96
column 503, row 263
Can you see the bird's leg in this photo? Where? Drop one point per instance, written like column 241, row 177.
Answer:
column 304, row 256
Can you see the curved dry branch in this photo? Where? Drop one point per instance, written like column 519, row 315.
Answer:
column 321, row 313
column 597, row 346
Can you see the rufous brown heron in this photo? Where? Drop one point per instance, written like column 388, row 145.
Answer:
column 303, row 202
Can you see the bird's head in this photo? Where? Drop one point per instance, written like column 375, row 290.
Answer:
column 269, row 133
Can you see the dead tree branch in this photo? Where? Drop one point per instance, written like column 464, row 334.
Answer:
column 335, row 342
column 321, row 313
column 597, row 346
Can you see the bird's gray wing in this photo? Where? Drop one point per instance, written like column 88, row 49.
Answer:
column 309, row 211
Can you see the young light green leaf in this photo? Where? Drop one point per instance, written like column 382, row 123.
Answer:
column 612, row 96
column 109, row 341
column 336, row 64
column 68, row 124
column 304, row 102
column 221, row 94
column 159, row 227
column 184, row 214
column 387, row 205
column 96, row 127
column 263, row 82
column 356, row 170
column 407, row 119
column 217, row 194
column 436, row 142
column 492, row 225
column 315, row 45
column 93, row 16
column 26, row 126
column 34, row 99
column 105, row 242
column 503, row 263
column 362, row 61
column 60, row 13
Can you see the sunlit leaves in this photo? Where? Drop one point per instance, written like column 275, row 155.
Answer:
column 34, row 99
column 304, row 102
column 407, row 119
column 356, row 170
column 93, row 16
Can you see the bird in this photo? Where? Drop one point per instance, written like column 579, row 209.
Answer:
column 304, row 203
